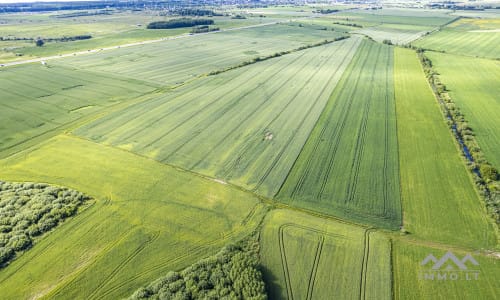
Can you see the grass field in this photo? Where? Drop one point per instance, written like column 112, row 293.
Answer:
column 439, row 199
column 473, row 85
column 349, row 165
column 244, row 126
column 410, row 281
column 176, row 61
column 54, row 97
column 167, row 220
column 312, row 258
column 471, row 37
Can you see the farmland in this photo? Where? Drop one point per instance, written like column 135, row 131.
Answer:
column 434, row 180
column 90, row 253
column 472, row 84
column 299, row 152
column 343, row 181
column 411, row 283
column 471, row 37
column 298, row 253
column 176, row 61
column 284, row 108
column 114, row 28
column 57, row 97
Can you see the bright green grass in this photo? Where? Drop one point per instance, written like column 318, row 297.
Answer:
column 218, row 125
column 439, row 199
column 148, row 219
column 466, row 37
column 176, row 61
column 311, row 258
column 349, row 165
column 410, row 282
column 36, row 99
column 474, row 87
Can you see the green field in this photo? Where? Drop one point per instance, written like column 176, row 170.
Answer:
column 473, row 85
column 273, row 105
column 349, row 165
column 293, row 152
column 399, row 34
column 119, row 27
column 471, row 37
column 56, row 97
column 167, row 219
column 313, row 258
column 438, row 195
column 411, row 283
column 175, row 61
column 395, row 16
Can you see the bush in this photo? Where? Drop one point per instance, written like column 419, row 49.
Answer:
column 27, row 210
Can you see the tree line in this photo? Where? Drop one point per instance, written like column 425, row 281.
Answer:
column 28, row 210
column 179, row 23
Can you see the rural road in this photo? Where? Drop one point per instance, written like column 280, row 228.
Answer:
column 40, row 59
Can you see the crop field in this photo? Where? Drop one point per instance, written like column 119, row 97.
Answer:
column 176, row 61
column 273, row 105
column 399, row 34
column 299, row 152
column 349, row 165
column 55, row 97
column 106, row 30
column 473, row 85
column 311, row 258
column 167, row 218
column 438, row 195
column 414, row 281
column 395, row 16
column 469, row 37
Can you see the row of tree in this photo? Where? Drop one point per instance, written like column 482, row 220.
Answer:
column 27, row 210
column 179, row 23
column 230, row 274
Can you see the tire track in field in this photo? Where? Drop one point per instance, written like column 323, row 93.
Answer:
column 194, row 251
column 386, row 135
column 319, row 249
column 121, row 265
column 102, row 253
column 360, row 140
column 284, row 263
column 290, row 139
column 364, row 264
column 334, row 140
column 312, row 277
column 248, row 146
column 229, row 107
column 307, row 168
column 154, row 121
column 257, row 108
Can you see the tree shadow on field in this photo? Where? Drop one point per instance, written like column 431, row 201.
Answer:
column 273, row 288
